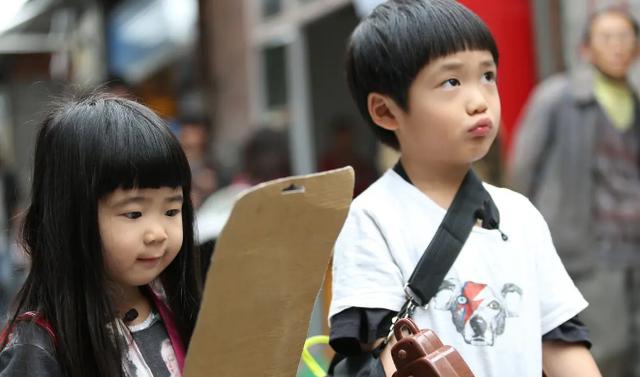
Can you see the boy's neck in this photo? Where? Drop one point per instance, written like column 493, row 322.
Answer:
column 439, row 182
column 128, row 298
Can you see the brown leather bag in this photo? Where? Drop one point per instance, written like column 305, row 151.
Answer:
column 422, row 354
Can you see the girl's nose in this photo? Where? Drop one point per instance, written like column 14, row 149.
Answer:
column 155, row 234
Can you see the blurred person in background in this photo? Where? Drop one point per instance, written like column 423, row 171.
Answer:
column 194, row 138
column 577, row 157
column 119, row 86
column 8, row 211
column 265, row 157
column 342, row 152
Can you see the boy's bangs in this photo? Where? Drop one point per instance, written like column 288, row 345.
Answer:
column 460, row 37
column 145, row 156
column 461, row 32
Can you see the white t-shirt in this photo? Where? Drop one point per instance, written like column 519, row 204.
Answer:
column 497, row 300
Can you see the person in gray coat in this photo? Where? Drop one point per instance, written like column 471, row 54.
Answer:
column 577, row 157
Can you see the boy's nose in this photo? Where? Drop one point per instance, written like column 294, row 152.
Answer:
column 155, row 234
column 477, row 103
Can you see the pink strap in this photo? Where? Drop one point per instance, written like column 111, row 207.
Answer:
column 172, row 329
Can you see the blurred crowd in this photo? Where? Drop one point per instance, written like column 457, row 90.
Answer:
column 577, row 158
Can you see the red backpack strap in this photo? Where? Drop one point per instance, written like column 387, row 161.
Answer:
column 39, row 320
column 31, row 316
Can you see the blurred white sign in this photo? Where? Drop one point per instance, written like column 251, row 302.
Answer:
column 10, row 9
column 162, row 20
column 146, row 34
column 364, row 7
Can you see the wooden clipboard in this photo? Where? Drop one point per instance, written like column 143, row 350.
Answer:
column 267, row 268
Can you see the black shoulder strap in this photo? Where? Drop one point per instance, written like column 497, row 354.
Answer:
column 471, row 203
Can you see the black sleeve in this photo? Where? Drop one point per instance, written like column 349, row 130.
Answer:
column 22, row 360
column 355, row 326
column 572, row 331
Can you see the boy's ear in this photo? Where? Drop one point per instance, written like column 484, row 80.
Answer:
column 383, row 111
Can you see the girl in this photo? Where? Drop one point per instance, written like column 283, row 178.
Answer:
column 113, row 288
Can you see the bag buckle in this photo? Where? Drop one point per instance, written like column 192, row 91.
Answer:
column 406, row 311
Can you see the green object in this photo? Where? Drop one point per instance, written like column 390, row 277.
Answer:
column 308, row 359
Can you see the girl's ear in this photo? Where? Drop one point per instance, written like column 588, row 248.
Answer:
column 383, row 111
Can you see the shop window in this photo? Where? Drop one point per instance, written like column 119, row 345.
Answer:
column 271, row 7
column 275, row 76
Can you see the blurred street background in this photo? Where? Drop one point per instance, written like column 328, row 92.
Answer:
column 255, row 89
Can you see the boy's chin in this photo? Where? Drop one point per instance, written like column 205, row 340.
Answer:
column 478, row 155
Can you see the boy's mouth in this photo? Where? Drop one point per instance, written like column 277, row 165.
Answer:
column 481, row 128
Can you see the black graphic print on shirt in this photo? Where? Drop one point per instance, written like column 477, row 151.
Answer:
column 151, row 351
column 478, row 311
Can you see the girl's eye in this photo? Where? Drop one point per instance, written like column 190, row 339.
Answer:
column 132, row 215
column 172, row 212
column 450, row 83
column 489, row 76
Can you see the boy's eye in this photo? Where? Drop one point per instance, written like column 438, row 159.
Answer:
column 172, row 212
column 450, row 82
column 132, row 215
column 489, row 76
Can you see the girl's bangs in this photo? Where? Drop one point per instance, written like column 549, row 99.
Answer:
column 145, row 156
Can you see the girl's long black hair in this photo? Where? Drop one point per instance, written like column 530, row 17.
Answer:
column 86, row 148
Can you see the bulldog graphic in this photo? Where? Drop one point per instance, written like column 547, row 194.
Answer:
column 477, row 311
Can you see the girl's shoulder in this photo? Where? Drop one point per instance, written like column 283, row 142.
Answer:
column 31, row 332
column 30, row 350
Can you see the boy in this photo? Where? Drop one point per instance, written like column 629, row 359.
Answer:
column 423, row 74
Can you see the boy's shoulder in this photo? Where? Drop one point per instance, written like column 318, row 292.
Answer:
column 505, row 194
column 516, row 211
column 391, row 192
column 507, row 199
column 392, row 187
column 383, row 191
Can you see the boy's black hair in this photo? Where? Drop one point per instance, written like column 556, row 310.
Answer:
column 609, row 8
column 389, row 48
column 88, row 147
